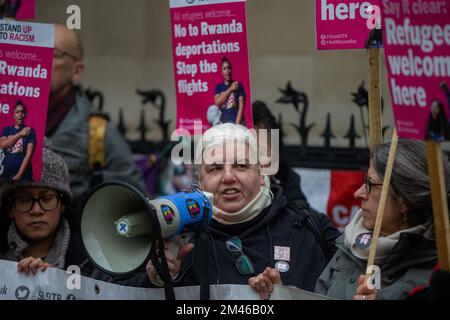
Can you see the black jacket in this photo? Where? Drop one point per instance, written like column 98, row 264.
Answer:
column 278, row 225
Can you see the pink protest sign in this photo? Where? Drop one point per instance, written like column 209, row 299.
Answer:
column 210, row 58
column 417, row 41
column 347, row 24
column 17, row 9
column 26, row 56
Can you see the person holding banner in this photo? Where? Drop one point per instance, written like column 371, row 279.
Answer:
column 406, row 251
column 34, row 229
column 253, row 226
column 18, row 143
column 229, row 96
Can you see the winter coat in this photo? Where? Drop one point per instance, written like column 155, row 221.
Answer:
column 409, row 265
column 280, row 226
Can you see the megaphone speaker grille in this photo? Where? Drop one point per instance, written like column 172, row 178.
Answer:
column 111, row 252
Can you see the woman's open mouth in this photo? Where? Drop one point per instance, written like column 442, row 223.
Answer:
column 230, row 194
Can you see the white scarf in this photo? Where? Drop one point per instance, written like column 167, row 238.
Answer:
column 261, row 201
column 385, row 244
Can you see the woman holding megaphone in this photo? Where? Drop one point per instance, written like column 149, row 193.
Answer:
column 255, row 236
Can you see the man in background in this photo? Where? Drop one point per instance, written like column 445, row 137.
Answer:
column 68, row 117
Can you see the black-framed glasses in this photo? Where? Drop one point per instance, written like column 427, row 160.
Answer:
column 24, row 203
column 243, row 263
column 59, row 53
column 368, row 184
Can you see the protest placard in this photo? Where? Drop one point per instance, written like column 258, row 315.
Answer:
column 211, row 65
column 347, row 24
column 26, row 56
column 417, row 39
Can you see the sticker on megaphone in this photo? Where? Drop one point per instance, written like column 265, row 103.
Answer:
column 177, row 214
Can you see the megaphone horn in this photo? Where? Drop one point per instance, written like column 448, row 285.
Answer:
column 119, row 224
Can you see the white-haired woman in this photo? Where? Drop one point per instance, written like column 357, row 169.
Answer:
column 255, row 236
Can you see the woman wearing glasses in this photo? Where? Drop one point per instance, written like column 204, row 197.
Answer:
column 253, row 227
column 406, row 252
column 34, row 231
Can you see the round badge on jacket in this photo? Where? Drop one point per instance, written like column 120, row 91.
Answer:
column 282, row 266
column 364, row 240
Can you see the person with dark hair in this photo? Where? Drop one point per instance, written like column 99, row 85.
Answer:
column 34, row 226
column 37, row 233
column 285, row 177
column 229, row 96
column 406, row 251
column 437, row 129
column 9, row 8
column 18, row 143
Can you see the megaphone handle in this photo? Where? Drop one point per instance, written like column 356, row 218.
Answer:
column 162, row 269
column 204, row 254
column 204, row 274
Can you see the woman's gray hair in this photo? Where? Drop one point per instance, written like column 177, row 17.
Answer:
column 410, row 180
column 224, row 133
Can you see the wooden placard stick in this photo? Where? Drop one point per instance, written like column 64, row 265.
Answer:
column 439, row 201
column 375, row 131
column 382, row 203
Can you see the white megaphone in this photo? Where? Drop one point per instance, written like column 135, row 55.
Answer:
column 119, row 224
